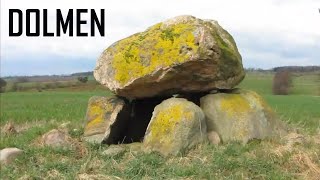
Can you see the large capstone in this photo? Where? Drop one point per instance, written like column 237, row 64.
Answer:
column 240, row 116
column 181, row 55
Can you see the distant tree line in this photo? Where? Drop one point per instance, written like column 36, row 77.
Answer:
column 286, row 68
column 256, row 70
column 89, row 73
column 47, row 78
column 25, row 83
column 297, row 68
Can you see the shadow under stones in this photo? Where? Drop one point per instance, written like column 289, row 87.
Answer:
column 193, row 97
column 117, row 129
column 141, row 114
column 133, row 120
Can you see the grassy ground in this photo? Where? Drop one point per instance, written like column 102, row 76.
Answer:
column 34, row 106
column 303, row 84
column 35, row 113
column 301, row 107
column 73, row 85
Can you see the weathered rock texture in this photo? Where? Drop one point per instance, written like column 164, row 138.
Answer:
column 175, row 126
column 106, row 119
column 187, row 58
column 240, row 116
column 213, row 137
column 56, row 138
column 182, row 54
column 7, row 155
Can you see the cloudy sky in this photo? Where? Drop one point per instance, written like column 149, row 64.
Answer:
column 268, row 33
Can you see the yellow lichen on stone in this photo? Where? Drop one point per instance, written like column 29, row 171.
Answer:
column 237, row 108
column 145, row 52
column 262, row 105
column 95, row 114
column 234, row 105
column 260, row 101
column 163, row 126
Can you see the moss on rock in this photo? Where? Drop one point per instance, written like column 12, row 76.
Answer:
column 234, row 105
column 105, row 119
column 240, row 116
column 145, row 52
column 180, row 55
column 98, row 109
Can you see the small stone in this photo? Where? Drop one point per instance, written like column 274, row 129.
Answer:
column 214, row 138
column 56, row 138
column 7, row 155
column 214, row 91
column 113, row 150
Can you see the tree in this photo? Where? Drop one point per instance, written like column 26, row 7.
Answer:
column 3, row 84
column 38, row 87
column 14, row 87
column 318, row 83
column 83, row 79
column 282, row 82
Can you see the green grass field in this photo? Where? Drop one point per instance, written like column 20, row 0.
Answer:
column 35, row 113
column 301, row 107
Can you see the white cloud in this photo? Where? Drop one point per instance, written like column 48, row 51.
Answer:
column 288, row 23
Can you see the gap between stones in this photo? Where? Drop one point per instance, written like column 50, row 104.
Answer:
column 132, row 129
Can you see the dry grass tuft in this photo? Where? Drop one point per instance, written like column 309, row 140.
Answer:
column 303, row 158
column 8, row 129
column 11, row 128
column 96, row 177
column 306, row 165
column 54, row 174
